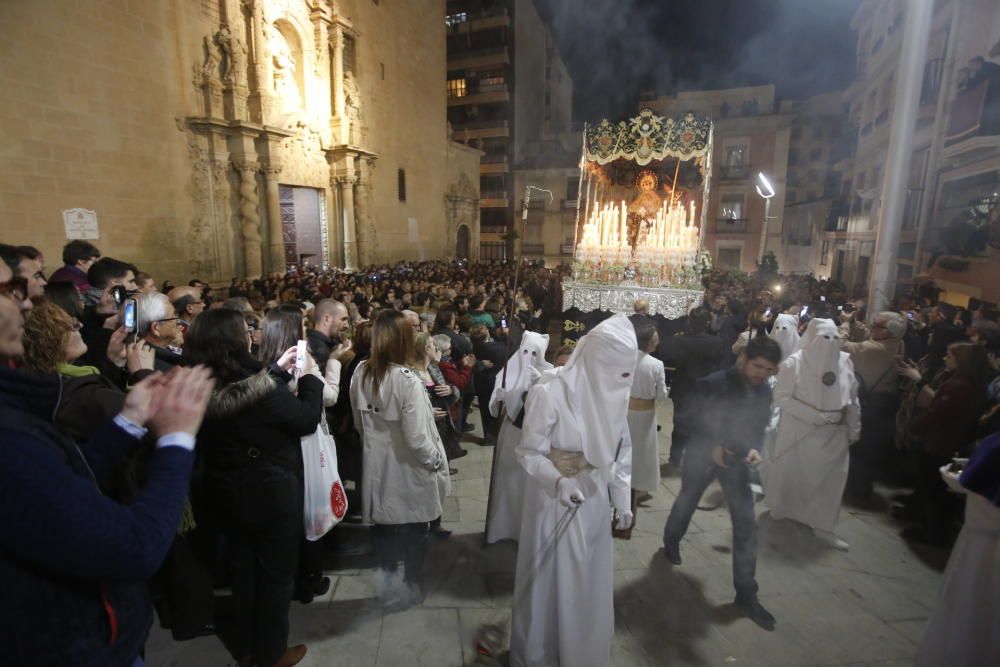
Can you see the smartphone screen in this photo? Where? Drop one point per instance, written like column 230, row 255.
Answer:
column 129, row 316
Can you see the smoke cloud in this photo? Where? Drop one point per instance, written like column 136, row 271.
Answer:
column 616, row 49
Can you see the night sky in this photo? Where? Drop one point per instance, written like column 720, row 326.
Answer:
column 616, row 48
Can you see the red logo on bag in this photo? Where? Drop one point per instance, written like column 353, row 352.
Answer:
column 338, row 500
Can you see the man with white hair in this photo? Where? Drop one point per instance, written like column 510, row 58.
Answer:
column 874, row 354
column 157, row 323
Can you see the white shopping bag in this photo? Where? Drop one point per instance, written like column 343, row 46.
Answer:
column 325, row 501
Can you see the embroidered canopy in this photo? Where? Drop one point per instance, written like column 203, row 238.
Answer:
column 648, row 137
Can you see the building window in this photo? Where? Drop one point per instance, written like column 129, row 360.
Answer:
column 456, row 88
column 731, row 207
column 401, row 184
column 790, row 197
column 349, row 58
column 793, row 156
column 812, row 175
column 729, row 258
column 818, row 132
column 736, row 155
column 453, row 20
column 816, row 154
column 824, row 252
column 796, row 133
column 492, row 78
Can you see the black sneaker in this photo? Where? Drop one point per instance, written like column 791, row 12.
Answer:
column 466, row 428
column 756, row 613
column 672, row 550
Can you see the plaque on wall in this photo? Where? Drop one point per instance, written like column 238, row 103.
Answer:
column 80, row 224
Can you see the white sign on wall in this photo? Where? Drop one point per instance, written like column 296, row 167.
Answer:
column 80, row 223
column 414, row 235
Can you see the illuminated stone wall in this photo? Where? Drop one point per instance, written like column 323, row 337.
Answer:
column 176, row 121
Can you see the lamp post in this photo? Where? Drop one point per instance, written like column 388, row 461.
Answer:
column 767, row 192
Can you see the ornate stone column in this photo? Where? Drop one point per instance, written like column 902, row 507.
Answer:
column 249, row 217
column 346, row 184
column 275, row 233
column 363, row 213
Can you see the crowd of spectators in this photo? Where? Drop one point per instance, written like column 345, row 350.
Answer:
column 927, row 372
column 105, row 406
column 102, row 417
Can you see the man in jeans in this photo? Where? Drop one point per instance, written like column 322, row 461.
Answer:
column 733, row 407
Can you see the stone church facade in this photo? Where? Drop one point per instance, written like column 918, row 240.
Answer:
column 185, row 124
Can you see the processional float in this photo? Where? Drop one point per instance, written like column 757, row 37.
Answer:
column 643, row 195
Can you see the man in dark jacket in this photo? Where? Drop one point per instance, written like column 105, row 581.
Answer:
column 330, row 321
column 78, row 256
column 73, row 563
column 490, row 358
column 732, row 410
column 693, row 355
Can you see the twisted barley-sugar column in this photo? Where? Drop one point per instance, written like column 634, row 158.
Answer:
column 249, row 218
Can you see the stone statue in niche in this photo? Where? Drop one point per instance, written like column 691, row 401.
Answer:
column 234, row 56
column 210, row 67
column 285, row 87
column 352, row 105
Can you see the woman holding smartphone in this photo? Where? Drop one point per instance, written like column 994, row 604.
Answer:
column 251, row 439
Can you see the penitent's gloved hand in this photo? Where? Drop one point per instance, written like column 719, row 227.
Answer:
column 625, row 519
column 570, row 494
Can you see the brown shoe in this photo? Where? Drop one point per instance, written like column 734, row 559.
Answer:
column 293, row 655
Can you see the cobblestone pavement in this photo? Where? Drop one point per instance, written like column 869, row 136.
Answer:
column 866, row 607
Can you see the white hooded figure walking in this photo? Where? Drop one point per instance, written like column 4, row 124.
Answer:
column 575, row 447
column 817, row 394
column 785, row 333
column 507, row 483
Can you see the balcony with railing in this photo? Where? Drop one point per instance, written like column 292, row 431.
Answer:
column 472, row 19
column 479, row 94
column 480, row 129
column 532, row 248
column 493, row 199
column 836, row 219
column 731, row 226
column 570, row 203
column 975, row 114
column 494, row 164
column 479, row 58
column 734, row 172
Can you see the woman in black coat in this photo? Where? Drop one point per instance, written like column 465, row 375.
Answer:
column 251, row 441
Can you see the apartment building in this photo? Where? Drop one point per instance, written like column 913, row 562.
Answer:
column 752, row 135
column 510, row 96
column 954, row 173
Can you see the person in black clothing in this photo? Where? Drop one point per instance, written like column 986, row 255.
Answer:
column 252, row 444
column 74, row 563
column 732, row 409
column 693, row 355
column 490, row 358
column 330, row 321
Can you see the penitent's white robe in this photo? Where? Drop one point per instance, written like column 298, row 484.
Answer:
column 507, row 488
column 563, row 612
column 649, row 384
column 805, row 473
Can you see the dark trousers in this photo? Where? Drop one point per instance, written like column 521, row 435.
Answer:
column 185, row 583
column 405, row 542
column 681, row 432
column 870, row 452
column 697, row 473
column 262, row 519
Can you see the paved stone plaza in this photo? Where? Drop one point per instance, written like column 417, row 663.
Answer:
column 863, row 608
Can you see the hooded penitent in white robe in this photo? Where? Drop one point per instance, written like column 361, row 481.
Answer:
column 805, row 474
column 785, row 332
column 564, row 586
column 648, row 385
column 507, row 482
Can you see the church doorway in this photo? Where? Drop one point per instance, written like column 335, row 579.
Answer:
column 464, row 242
column 303, row 226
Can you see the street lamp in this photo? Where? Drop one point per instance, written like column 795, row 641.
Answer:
column 765, row 190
